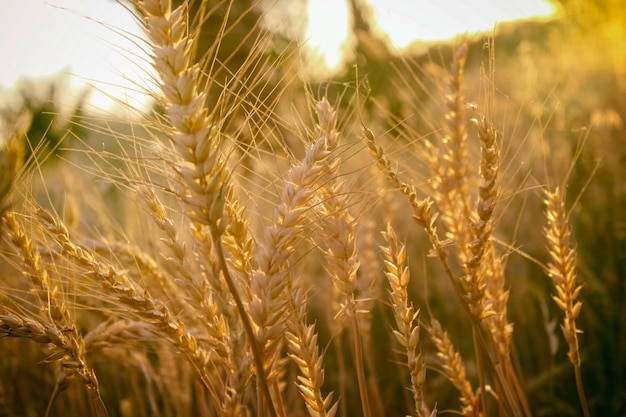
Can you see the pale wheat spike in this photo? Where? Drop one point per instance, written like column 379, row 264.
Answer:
column 304, row 351
column 562, row 270
column 453, row 367
column 239, row 243
column 203, row 173
column 339, row 235
column 133, row 296
column 449, row 163
column 195, row 137
column 270, row 279
column 406, row 317
column 474, row 282
column 338, row 225
column 500, row 328
column 57, row 311
column 13, row 325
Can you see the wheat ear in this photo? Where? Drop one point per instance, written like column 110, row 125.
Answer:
column 73, row 361
column 449, row 163
column 272, row 276
column 304, row 351
column 198, row 141
column 484, row 281
column 474, row 282
column 341, row 257
column 194, row 136
column 406, row 317
column 562, row 270
column 453, row 367
column 132, row 295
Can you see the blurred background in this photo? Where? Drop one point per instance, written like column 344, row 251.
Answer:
column 98, row 42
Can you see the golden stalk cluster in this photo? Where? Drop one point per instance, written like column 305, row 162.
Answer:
column 234, row 292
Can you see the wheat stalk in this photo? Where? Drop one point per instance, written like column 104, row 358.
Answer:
column 369, row 289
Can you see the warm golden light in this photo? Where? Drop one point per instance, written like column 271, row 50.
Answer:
column 98, row 43
column 404, row 22
column 94, row 42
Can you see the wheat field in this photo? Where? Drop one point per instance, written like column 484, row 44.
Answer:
column 433, row 234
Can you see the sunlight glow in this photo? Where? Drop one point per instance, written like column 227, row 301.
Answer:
column 327, row 31
column 95, row 42
column 98, row 43
column 406, row 21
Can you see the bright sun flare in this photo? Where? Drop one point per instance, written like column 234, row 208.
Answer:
column 407, row 21
column 98, row 42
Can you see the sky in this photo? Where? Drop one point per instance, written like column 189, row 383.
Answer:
column 98, row 43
